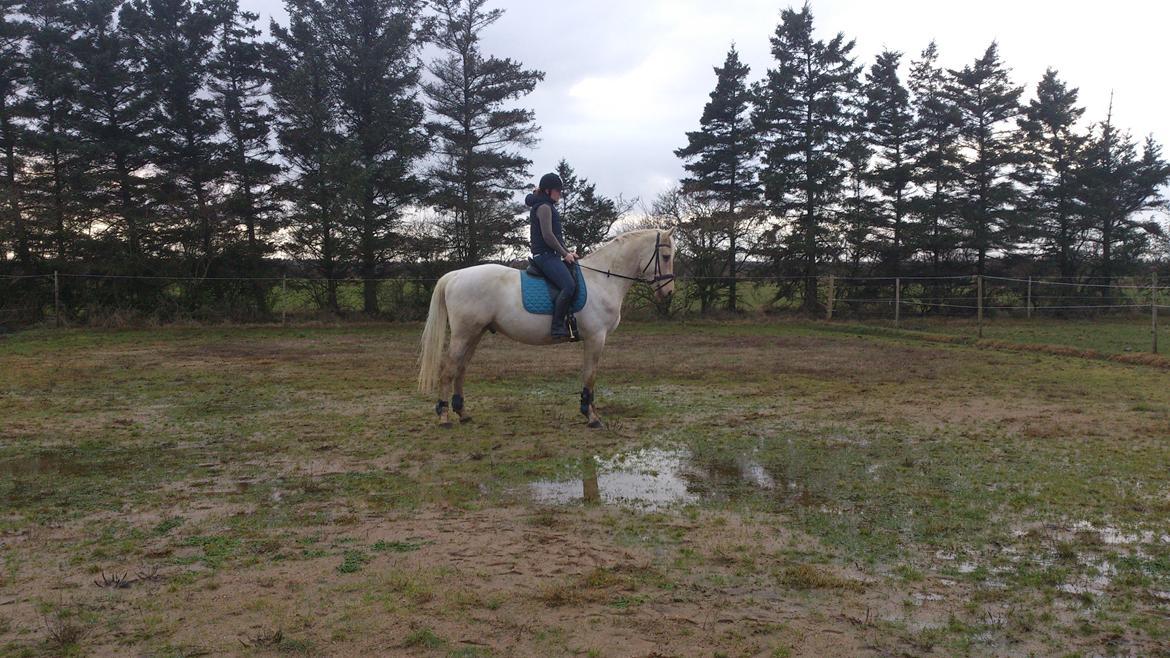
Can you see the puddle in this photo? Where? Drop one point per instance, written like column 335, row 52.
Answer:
column 1113, row 536
column 1095, row 584
column 57, row 463
column 654, row 478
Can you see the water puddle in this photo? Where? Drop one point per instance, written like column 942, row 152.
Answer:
column 654, row 478
column 1098, row 579
column 1112, row 536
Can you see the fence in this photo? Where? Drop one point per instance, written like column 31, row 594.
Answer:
column 962, row 303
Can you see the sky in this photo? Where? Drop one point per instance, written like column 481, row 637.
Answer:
column 625, row 80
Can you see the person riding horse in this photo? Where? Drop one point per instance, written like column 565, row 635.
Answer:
column 548, row 248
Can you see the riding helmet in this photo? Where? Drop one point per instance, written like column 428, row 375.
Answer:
column 551, row 181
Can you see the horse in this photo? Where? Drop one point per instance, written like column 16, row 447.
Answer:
column 482, row 298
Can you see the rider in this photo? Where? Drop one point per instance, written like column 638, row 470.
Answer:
column 548, row 247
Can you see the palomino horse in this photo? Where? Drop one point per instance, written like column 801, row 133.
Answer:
column 484, row 298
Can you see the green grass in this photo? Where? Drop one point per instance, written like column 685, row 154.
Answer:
column 262, row 464
column 1114, row 336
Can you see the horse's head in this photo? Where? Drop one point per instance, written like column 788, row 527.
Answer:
column 665, row 255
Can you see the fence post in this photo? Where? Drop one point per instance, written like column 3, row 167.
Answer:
column 1154, row 310
column 56, row 300
column 1028, row 304
column 829, row 307
column 283, row 298
column 979, row 303
column 897, row 301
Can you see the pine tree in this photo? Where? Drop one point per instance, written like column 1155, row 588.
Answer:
column 1054, row 150
column 373, row 63
column 587, row 216
column 860, row 211
column 891, row 132
column 174, row 40
column 988, row 105
column 310, row 143
column 54, row 175
column 477, row 132
column 1117, row 184
column 13, row 108
column 114, row 125
column 721, row 159
column 804, row 115
column 935, row 161
column 238, row 83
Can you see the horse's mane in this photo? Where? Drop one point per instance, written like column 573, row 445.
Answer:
column 620, row 238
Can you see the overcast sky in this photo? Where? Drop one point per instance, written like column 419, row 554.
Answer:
column 625, row 80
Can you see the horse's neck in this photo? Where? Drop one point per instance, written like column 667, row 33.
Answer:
column 624, row 257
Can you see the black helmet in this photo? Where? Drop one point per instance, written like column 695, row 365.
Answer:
column 551, row 181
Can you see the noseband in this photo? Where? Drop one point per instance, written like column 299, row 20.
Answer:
column 656, row 260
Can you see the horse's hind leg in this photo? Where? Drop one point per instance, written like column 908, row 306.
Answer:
column 454, row 364
column 460, row 370
column 593, row 348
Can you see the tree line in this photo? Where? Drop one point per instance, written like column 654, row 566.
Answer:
column 171, row 138
column 825, row 163
column 154, row 138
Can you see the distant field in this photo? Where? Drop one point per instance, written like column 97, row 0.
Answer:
column 762, row 489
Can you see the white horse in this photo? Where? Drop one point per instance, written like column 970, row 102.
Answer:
column 484, row 298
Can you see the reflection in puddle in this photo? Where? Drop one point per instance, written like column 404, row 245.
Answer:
column 653, row 478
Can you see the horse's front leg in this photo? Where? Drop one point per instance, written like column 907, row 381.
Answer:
column 593, row 348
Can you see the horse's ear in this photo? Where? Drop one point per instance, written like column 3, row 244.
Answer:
column 670, row 231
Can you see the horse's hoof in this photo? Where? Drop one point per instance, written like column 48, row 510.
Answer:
column 595, row 424
column 465, row 419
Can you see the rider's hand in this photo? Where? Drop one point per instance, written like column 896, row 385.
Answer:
column 570, row 258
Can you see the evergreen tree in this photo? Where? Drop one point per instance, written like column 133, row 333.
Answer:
column 14, row 232
column 477, row 131
column 373, row 63
column 310, row 143
column 174, row 40
column 804, row 116
column 238, row 82
column 935, row 161
column 1054, row 149
column 1118, row 183
column 721, row 159
column 988, row 105
column 54, row 175
column 860, row 211
column 114, row 125
column 892, row 133
column 587, row 216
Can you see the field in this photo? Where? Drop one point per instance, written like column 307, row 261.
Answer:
column 761, row 489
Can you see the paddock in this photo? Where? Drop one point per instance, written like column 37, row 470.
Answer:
column 760, row 489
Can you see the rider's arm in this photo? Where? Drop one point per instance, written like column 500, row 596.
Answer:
column 544, row 214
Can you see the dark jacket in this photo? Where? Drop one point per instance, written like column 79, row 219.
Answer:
column 539, row 241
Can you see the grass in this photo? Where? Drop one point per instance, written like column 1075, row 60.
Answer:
column 291, row 478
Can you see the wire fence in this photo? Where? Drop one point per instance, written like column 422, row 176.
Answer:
column 969, row 304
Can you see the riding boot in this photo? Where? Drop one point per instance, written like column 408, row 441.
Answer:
column 560, row 310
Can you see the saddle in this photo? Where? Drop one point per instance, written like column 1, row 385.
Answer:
column 533, row 270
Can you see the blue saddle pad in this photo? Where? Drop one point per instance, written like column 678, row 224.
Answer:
column 537, row 294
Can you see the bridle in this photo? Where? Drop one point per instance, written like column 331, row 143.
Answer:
column 656, row 260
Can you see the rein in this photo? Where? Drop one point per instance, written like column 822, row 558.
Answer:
column 655, row 260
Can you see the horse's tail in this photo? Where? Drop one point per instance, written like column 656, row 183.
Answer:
column 434, row 335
